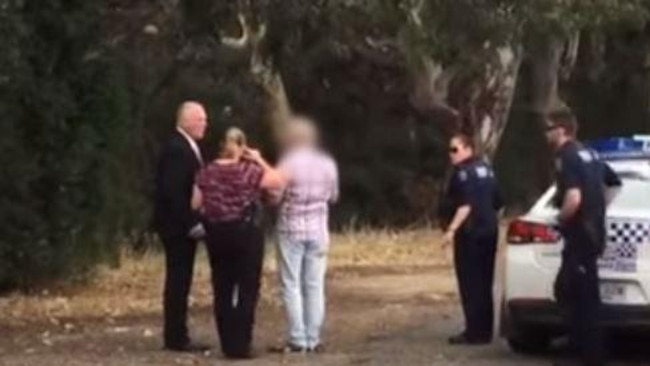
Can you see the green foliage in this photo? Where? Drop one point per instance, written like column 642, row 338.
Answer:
column 64, row 128
column 467, row 32
column 81, row 124
column 566, row 16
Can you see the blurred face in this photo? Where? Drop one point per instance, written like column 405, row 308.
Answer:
column 458, row 151
column 555, row 134
column 303, row 135
column 193, row 120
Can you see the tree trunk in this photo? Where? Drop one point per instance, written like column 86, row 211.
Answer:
column 479, row 106
column 502, row 87
column 277, row 104
column 430, row 92
column 264, row 73
column 545, row 66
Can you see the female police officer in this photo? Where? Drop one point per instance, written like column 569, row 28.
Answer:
column 469, row 212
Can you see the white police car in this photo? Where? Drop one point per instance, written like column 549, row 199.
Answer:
column 529, row 315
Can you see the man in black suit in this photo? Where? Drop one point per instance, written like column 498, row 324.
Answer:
column 177, row 223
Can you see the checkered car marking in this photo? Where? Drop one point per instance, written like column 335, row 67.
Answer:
column 624, row 237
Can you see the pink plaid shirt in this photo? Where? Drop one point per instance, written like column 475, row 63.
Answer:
column 313, row 185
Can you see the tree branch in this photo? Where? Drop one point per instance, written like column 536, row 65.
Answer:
column 413, row 13
column 244, row 40
column 570, row 56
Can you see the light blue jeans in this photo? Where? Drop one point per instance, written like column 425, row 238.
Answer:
column 302, row 276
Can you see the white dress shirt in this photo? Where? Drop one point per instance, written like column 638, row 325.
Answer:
column 193, row 145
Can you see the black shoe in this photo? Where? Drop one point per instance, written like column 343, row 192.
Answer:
column 288, row 348
column 464, row 339
column 188, row 347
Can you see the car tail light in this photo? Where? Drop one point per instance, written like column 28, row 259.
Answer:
column 524, row 232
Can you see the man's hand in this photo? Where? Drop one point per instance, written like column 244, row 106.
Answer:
column 197, row 232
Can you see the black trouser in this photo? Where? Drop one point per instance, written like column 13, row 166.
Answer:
column 236, row 252
column 474, row 258
column 179, row 267
column 577, row 292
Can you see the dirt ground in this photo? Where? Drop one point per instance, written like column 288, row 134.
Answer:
column 391, row 301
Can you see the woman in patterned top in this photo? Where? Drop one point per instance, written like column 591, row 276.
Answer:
column 227, row 192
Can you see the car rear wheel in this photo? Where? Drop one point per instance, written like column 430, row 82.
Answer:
column 522, row 339
column 529, row 342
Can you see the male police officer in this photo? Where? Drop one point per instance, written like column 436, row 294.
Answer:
column 470, row 213
column 582, row 197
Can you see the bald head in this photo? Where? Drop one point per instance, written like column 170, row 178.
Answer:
column 192, row 118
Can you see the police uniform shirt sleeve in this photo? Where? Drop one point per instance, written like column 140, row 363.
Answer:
column 610, row 178
column 463, row 187
column 570, row 170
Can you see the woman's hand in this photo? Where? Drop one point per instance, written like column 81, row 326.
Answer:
column 272, row 178
column 253, row 155
column 448, row 239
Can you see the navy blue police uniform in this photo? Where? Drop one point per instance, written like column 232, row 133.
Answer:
column 473, row 184
column 576, row 286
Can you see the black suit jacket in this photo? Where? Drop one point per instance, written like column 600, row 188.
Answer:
column 176, row 170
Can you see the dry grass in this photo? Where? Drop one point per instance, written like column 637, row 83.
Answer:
column 387, row 248
column 135, row 288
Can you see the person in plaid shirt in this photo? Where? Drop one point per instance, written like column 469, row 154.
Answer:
column 303, row 235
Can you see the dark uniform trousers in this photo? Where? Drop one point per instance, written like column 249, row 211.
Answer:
column 474, row 258
column 577, row 293
column 179, row 256
column 236, row 252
